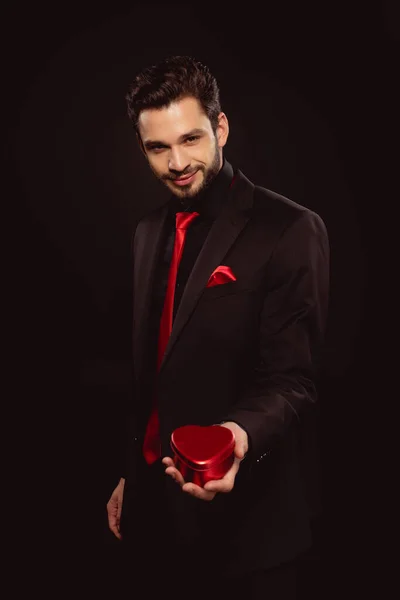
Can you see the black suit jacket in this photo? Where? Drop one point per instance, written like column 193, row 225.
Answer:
column 245, row 351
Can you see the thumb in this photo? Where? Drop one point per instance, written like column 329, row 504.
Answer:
column 240, row 451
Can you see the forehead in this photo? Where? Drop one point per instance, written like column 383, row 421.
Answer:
column 172, row 121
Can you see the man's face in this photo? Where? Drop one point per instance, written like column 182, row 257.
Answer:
column 181, row 147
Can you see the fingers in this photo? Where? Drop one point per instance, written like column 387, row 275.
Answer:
column 198, row 492
column 115, row 531
column 188, row 488
column 176, row 475
column 114, row 515
column 119, row 511
column 172, row 471
column 226, row 483
column 113, row 524
column 210, row 489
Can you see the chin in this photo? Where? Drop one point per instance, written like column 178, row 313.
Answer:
column 186, row 194
column 189, row 192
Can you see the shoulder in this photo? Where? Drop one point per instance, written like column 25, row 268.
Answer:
column 148, row 224
column 151, row 217
column 275, row 211
column 284, row 212
column 270, row 203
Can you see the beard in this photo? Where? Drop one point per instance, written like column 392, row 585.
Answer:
column 209, row 174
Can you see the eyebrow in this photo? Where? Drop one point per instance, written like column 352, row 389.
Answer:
column 152, row 143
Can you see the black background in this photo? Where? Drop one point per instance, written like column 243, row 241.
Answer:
column 309, row 94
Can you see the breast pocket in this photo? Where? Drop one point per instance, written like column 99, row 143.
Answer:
column 226, row 289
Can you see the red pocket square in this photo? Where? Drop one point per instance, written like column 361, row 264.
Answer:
column 222, row 274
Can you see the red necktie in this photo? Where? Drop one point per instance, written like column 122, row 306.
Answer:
column 152, row 444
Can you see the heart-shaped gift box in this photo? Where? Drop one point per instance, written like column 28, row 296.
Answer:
column 202, row 454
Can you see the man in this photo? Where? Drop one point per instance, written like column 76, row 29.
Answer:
column 241, row 353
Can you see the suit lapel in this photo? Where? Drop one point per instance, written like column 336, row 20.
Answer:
column 146, row 253
column 223, row 234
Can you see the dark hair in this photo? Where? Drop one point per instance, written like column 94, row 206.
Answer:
column 173, row 79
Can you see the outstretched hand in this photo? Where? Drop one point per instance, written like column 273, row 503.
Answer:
column 223, row 485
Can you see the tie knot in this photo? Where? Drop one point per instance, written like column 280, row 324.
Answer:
column 183, row 219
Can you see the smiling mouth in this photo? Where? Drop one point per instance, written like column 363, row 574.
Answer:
column 185, row 178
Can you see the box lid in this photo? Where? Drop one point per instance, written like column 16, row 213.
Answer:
column 201, row 448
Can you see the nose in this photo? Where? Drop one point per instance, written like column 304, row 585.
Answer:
column 178, row 160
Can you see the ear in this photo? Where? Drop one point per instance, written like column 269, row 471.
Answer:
column 222, row 129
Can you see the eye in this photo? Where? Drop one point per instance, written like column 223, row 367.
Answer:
column 193, row 138
column 157, row 149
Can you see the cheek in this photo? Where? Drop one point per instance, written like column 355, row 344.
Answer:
column 158, row 164
column 204, row 155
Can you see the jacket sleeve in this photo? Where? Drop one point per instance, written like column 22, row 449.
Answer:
column 128, row 424
column 292, row 327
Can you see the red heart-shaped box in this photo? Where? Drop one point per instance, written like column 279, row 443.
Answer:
column 202, row 454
